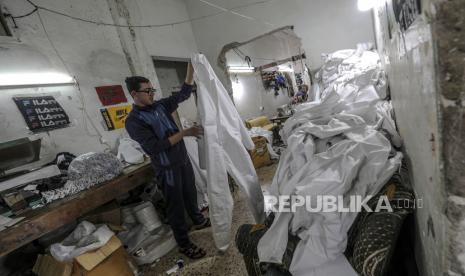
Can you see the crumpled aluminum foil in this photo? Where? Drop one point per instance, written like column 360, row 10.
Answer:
column 85, row 171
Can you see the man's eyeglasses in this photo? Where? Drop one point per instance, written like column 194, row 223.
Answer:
column 148, row 90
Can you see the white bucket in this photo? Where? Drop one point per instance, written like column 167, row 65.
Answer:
column 128, row 216
column 154, row 247
column 147, row 216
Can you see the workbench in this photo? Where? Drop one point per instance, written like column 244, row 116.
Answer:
column 61, row 212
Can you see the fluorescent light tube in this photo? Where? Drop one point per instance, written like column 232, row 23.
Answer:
column 365, row 5
column 34, row 79
column 283, row 68
column 241, row 69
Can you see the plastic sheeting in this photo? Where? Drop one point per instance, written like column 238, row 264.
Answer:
column 86, row 237
column 226, row 140
column 338, row 145
column 130, row 151
column 148, row 240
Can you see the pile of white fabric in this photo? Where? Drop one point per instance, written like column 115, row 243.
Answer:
column 339, row 145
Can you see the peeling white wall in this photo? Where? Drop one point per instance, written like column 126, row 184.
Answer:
column 171, row 75
column 409, row 59
column 324, row 26
column 170, row 41
column 250, row 96
column 95, row 55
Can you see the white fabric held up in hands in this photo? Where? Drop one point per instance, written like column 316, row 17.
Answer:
column 226, row 140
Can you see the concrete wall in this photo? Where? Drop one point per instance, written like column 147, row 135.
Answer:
column 95, row 55
column 252, row 100
column 250, row 96
column 410, row 62
column 170, row 41
column 449, row 34
column 171, row 75
column 426, row 76
column 324, row 26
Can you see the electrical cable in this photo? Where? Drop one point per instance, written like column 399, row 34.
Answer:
column 223, row 10
column 241, row 54
column 236, row 13
column 25, row 15
column 52, row 44
column 85, row 116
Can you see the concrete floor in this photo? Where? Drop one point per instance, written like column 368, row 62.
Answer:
column 215, row 263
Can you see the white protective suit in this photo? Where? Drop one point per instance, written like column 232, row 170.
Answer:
column 200, row 174
column 338, row 145
column 226, row 140
column 192, row 146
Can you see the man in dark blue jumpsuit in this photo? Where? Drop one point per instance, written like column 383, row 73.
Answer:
column 151, row 124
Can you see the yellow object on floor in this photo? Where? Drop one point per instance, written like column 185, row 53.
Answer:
column 117, row 264
column 261, row 121
column 260, row 154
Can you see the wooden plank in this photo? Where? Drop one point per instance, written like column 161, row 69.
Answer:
column 58, row 214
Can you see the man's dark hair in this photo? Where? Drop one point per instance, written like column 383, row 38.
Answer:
column 133, row 83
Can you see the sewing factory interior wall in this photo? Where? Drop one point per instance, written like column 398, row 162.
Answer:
column 324, row 26
column 252, row 100
column 95, row 55
column 250, row 96
column 170, row 41
column 171, row 75
column 423, row 83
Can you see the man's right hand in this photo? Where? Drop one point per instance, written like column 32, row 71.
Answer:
column 196, row 131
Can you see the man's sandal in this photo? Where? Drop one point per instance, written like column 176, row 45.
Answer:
column 203, row 225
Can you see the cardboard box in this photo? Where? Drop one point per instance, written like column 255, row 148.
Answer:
column 46, row 265
column 110, row 259
column 117, row 264
column 260, row 155
column 91, row 259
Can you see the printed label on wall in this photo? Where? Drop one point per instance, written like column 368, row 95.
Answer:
column 115, row 116
column 42, row 113
column 111, row 95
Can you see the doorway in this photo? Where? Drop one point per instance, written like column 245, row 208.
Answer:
column 171, row 73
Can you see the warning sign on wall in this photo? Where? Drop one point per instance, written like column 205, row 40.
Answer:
column 42, row 113
column 111, row 95
column 115, row 116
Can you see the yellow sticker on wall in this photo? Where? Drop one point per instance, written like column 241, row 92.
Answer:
column 115, row 116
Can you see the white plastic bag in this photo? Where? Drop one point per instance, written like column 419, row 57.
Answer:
column 84, row 238
column 130, row 151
